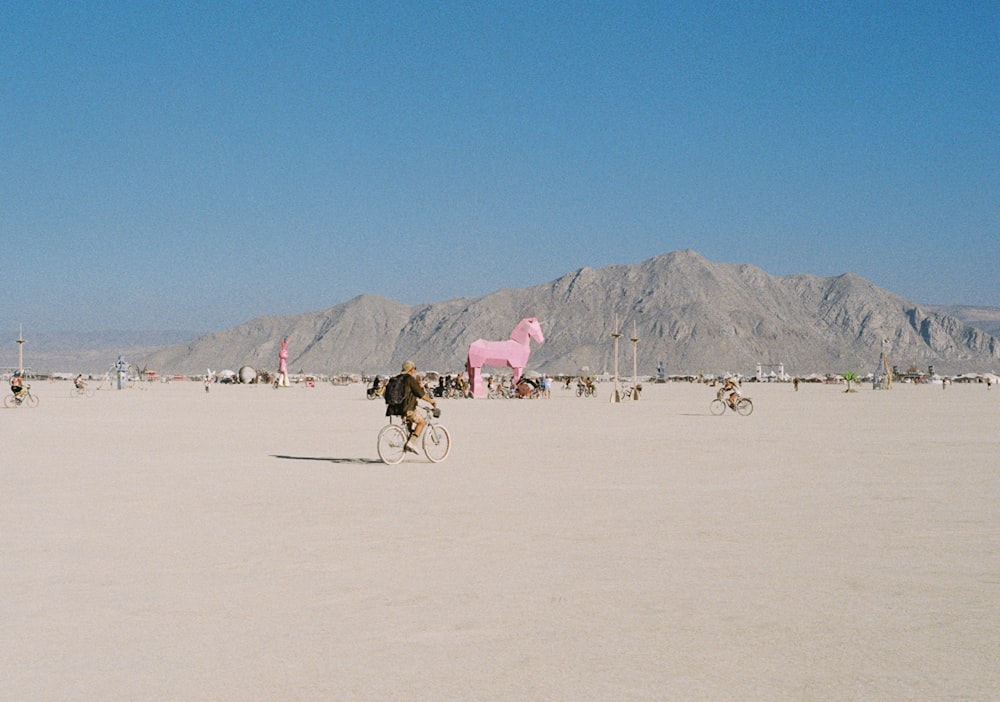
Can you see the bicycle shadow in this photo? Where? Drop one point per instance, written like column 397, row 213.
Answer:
column 325, row 459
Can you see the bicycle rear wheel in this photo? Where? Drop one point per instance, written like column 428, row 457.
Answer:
column 717, row 407
column 9, row 401
column 437, row 443
column 391, row 441
column 744, row 407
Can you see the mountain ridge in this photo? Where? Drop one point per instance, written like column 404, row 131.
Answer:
column 690, row 313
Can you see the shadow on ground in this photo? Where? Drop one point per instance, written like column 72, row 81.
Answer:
column 356, row 461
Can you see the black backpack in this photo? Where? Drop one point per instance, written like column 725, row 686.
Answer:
column 395, row 391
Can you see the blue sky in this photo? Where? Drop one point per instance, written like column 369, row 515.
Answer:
column 195, row 165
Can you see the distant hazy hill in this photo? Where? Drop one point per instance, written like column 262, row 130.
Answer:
column 691, row 314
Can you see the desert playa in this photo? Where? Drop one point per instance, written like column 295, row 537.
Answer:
column 246, row 544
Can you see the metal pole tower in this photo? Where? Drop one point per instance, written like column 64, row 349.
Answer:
column 20, row 348
column 616, row 334
column 635, row 360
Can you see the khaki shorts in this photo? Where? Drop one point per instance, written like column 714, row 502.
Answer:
column 415, row 416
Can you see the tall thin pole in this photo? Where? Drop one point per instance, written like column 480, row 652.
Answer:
column 635, row 364
column 616, row 334
column 20, row 348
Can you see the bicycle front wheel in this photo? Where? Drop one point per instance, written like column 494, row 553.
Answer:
column 717, row 407
column 391, row 441
column 437, row 443
column 31, row 401
column 744, row 407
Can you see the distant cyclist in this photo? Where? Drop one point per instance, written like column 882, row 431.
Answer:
column 731, row 392
column 16, row 383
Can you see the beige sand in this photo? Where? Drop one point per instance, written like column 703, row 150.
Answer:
column 246, row 545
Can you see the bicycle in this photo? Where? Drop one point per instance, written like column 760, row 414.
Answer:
column 718, row 406
column 81, row 392
column 629, row 391
column 586, row 390
column 22, row 398
column 435, row 440
column 500, row 391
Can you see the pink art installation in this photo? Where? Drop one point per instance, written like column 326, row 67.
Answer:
column 283, row 363
column 514, row 353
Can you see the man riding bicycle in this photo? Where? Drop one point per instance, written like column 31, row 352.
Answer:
column 413, row 391
column 16, row 384
column 731, row 392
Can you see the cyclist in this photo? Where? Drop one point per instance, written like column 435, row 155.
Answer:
column 413, row 391
column 731, row 392
column 79, row 384
column 16, row 383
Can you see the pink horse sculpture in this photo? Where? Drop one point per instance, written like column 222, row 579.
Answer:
column 513, row 352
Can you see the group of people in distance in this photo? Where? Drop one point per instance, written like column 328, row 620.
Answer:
column 452, row 386
column 525, row 387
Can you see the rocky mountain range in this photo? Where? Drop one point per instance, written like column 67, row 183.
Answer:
column 985, row 318
column 691, row 314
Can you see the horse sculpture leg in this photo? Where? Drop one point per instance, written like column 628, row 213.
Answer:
column 475, row 379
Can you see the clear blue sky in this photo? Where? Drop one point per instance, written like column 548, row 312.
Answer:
column 194, row 165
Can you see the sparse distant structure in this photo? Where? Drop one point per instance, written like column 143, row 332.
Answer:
column 771, row 373
column 121, row 371
column 882, row 378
